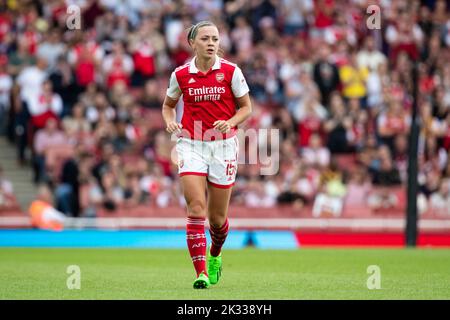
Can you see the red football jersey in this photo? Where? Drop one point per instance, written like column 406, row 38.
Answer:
column 207, row 97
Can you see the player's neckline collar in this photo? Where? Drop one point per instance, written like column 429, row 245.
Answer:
column 194, row 69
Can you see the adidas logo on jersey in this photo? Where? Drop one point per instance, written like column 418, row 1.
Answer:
column 192, row 80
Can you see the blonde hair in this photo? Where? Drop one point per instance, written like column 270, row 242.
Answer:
column 193, row 30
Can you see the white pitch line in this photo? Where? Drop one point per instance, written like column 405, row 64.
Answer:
column 377, row 224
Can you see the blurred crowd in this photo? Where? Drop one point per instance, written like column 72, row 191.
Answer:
column 82, row 106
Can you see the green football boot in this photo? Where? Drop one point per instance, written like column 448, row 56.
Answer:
column 202, row 281
column 214, row 267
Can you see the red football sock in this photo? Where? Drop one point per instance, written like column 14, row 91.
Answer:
column 218, row 236
column 196, row 241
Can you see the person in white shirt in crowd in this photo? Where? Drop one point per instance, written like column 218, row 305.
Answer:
column 295, row 15
column 52, row 48
column 31, row 78
column 316, row 154
column 439, row 201
column 370, row 56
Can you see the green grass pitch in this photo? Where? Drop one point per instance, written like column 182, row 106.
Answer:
column 27, row 273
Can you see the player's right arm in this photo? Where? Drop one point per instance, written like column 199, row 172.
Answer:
column 169, row 115
column 169, row 104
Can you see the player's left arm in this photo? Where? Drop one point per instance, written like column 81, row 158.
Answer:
column 242, row 114
column 240, row 90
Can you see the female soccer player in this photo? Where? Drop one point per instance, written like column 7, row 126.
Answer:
column 207, row 145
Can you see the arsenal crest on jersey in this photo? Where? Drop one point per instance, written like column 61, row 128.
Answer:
column 181, row 163
column 219, row 77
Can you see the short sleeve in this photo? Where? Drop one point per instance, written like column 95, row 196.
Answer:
column 238, row 84
column 173, row 91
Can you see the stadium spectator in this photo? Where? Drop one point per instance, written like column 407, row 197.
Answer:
column 310, row 121
column 359, row 187
column 117, row 66
column 323, row 16
column 242, row 37
column 440, row 200
column 258, row 75
column 256, row 195
column 147, row 48
column 382, row 199
column 361, row 126
column 392, row 121
column 431, row 183
column 330, row 199
column 44, row 105
column 299, row 187
column 63, row 83
column 340, row 30
column 386, row 174
column 425, row 21
column 31, row 78
column 312, row 66
column 326, row 74
column 400, row 155
column 76, row 125
column 7, row 197
column 45, row 139
column 51, row 48
column 309, row 98
column 20, row 58
column 353, row 78
column 151, row 98
column 404, row 35
column 42, row 212
column 369, row 56
column 6, row 84
column 86, row 57
column 113, row 193
column 90, row 194
column 338, row 127
column 368, row 154
column 376, row 82
column 316, row 154
column 99, row 108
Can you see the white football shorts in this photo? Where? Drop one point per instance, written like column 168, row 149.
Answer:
column 217, row 160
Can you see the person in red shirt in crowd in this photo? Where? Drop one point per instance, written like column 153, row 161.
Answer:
column 85, row 56
column 310, row 121
column 211, row 88
column 323, row 16
column 404, row 35
column 5, row 25
column 33, row 38
column 391, row 122
column 117, row 66
column 323, row 12
column 144, row 54
column 47, row 104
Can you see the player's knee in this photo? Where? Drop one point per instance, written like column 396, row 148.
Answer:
column 196, row 207
column 217, row 219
